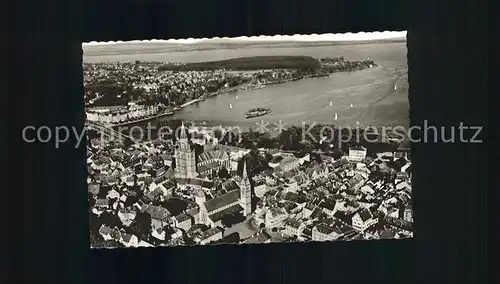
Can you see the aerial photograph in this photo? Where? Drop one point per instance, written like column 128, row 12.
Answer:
column 248, row 140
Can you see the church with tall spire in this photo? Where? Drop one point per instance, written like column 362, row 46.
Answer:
column 245, row 192
column 236, row 199
column 185, row 161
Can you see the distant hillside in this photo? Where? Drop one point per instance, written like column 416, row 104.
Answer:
column 129, row 48
column 294, row 42
column 210, row 44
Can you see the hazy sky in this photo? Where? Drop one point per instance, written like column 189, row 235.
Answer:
column 362, row 36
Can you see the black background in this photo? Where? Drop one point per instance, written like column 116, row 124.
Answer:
column 446, row 59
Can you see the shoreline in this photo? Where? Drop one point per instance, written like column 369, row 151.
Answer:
column 228, row 90
column 220, row 92
column 190, row 102
column 167, row 113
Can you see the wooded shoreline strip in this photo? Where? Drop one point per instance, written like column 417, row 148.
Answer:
column 247, row 63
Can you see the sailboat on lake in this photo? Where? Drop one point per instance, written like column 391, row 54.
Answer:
column 230, row 106
column 395, row 87
column 351, row 106
column 336, row 116
column 331, row 103
column 236, row 97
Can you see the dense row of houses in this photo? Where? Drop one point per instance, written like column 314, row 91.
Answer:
column 298, row 198
column 108, row 115
column 144, row 78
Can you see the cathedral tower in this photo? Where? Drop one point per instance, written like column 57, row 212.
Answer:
column 245, row 192
column 185, row 163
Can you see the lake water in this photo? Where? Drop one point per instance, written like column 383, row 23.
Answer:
column 370, row 91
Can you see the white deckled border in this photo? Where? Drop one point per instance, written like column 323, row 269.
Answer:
column 360, row 36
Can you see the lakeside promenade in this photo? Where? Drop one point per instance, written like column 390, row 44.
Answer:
column 166, row 113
